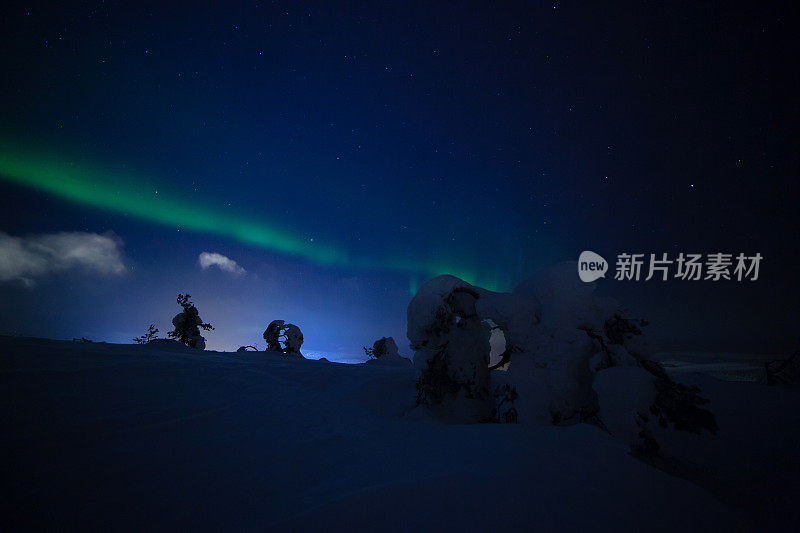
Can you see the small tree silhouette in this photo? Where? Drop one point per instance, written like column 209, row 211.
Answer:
column 150, row 334
column 188, row 324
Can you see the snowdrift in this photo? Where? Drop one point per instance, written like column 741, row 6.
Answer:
column 107, row 436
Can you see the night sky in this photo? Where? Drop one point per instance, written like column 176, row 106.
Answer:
column 341, row 155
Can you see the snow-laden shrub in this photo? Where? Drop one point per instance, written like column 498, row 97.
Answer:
column 571, row 357
column 272, row 336
column 516, row 316
column 454, row 361
column 384, row 352
column 188, row 324
column 385, row 346
column 293, row 340
column 448, row 326
column 652, row 399
column 284, row 338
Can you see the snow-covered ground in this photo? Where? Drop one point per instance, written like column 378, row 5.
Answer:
column 104, row 436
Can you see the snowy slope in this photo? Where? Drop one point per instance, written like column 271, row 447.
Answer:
column 132, row 437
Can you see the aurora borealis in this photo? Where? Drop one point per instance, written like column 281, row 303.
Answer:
column 108, row 190
column 341, row 156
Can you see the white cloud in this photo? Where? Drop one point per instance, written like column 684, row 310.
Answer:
column 25, row 258
column 209, row 259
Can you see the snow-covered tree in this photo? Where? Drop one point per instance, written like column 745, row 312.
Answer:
column 385, row 346
column 188, row 324
column 293, row 340
column 570, row 357
column 283, row 338
column 272, row 336
column 450, row 323
column 454, row 361
column 384, row 352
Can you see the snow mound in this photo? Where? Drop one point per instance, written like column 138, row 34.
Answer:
column 386, row 353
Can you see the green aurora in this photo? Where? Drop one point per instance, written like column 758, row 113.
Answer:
column 132, row 195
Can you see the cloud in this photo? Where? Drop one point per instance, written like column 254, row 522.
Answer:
column 25, row 258
column 209, row 259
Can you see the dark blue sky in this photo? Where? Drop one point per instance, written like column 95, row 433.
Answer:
column 493, row 140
